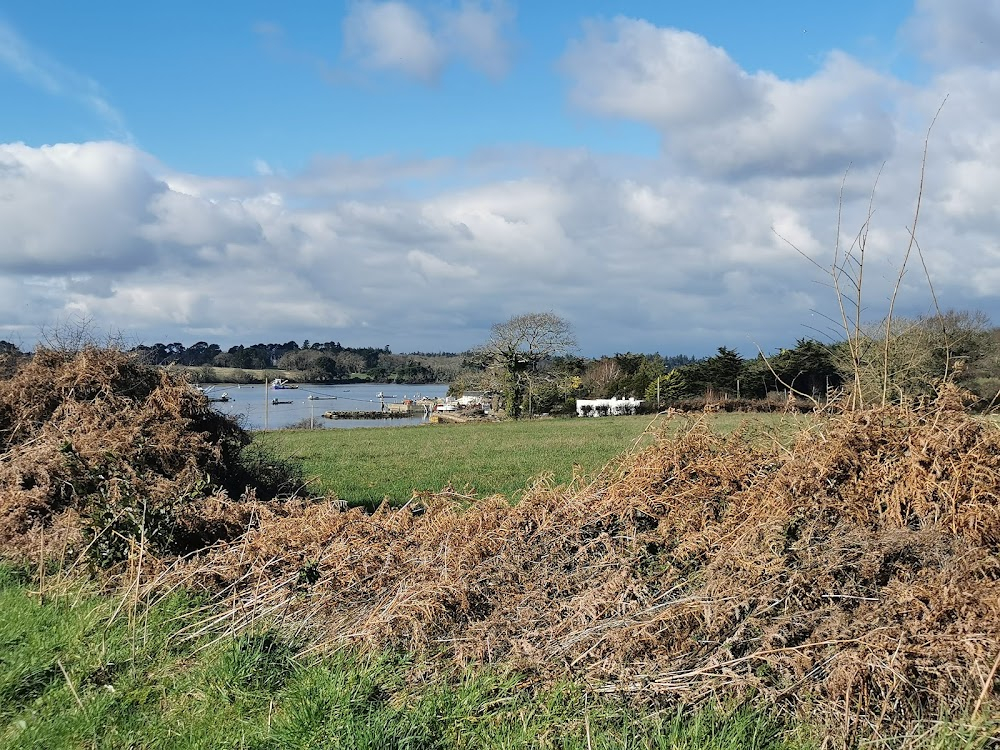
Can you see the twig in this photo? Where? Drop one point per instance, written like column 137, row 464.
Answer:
column 70, row 683
column 906, row 255
column 987, row 685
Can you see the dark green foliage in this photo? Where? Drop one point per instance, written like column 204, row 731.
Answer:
column 270, row 473
column 667, row 389
column 809, row 369
column 719, row 375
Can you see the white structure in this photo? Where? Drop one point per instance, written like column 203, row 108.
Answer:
column 472, row 398
column 604, row 407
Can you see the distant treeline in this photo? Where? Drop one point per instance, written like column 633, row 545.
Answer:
column 911, row 360
column 324, row 362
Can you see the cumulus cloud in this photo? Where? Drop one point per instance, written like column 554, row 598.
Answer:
column 681, row 253
column 394, row 36
column 667, row 77
column 672, row 262
column 723, row 119
column 957, row 32
column 69, row 207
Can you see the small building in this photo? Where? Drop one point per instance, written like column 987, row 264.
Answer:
column 472, row 398
column 607, row 407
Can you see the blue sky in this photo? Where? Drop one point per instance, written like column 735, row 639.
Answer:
column 216, row 86
column 406, row 173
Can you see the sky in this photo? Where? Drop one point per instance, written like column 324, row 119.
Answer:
column 667, row 176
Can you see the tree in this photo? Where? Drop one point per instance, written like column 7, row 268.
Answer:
column 904, row 358
column 666, row 389
column 808, row 369
column 718, row 375
column 517, row 349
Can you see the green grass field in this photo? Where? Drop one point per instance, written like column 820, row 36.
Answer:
column 76, row 672
column 365, row 466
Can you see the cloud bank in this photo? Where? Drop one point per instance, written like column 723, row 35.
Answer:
column 678, row 254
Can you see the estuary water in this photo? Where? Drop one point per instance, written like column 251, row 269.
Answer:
column 253, row 404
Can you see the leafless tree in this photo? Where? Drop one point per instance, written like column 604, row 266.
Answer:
column 516, row 349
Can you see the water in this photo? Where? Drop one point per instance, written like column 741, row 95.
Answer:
column 248, row 401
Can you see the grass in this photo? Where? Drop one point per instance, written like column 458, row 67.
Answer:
column 364, row 466
column 74, row 675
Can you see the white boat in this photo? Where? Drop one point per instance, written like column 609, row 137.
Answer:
column 280, row 384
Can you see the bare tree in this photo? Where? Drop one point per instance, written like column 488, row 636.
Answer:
column 517, row 348
column 908, row 357
column 846, row 275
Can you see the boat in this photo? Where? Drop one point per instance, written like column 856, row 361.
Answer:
column 223, row 398
column 277, row 401
column 322, row 398
column 280, row 384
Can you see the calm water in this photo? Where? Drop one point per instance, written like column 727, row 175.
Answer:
column 249, row 402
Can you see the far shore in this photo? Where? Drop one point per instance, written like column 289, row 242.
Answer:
column 236, row 375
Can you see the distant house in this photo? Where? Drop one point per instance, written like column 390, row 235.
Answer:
column 607, row 407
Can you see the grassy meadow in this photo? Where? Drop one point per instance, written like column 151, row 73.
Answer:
column 364, row 466
column 82, row 669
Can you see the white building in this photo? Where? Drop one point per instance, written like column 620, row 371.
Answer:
column 605, row 407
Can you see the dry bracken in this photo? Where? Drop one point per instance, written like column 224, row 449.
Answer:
column 852, row 577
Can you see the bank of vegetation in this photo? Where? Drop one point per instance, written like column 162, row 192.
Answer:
column 872, row 363
column 316, row 362
column 837, row 584
column 81, row 671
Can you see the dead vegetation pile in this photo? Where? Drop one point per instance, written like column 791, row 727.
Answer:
column 99, row 452
column 853, row 576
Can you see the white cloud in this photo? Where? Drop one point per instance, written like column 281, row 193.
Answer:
column 478, row 33
column 957, row 32
column 722, row 119
column 391, row 35
column 37, row 69
column 433, row 268
column 70, row 207
column 176, row 219
column 672, row 262
column 667, row 77
column 678, row 254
